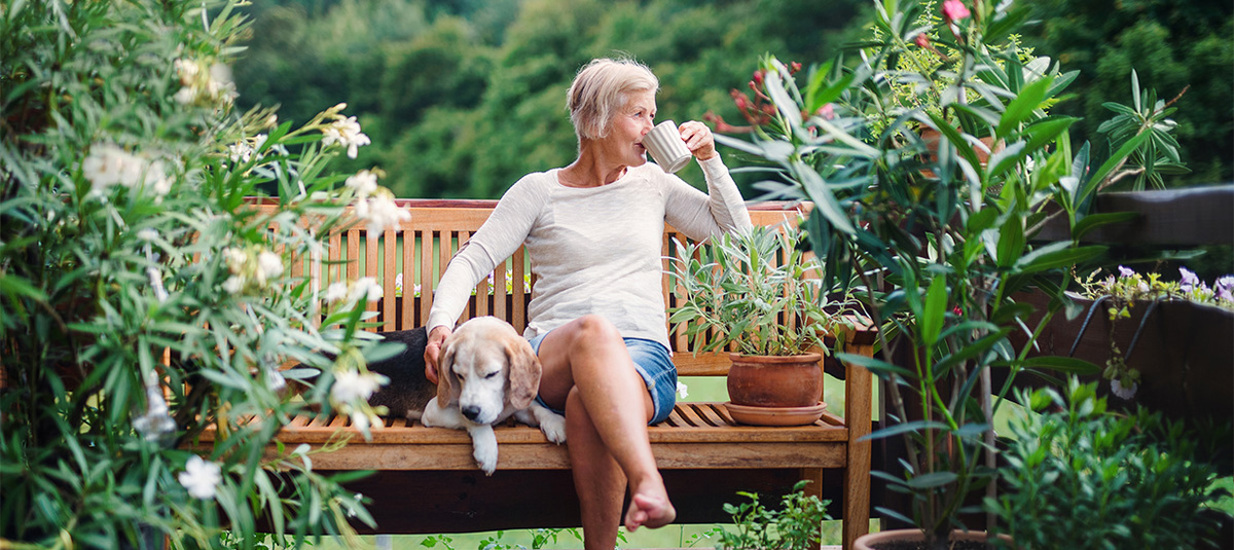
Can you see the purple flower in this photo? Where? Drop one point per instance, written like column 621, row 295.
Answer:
column 1190, row 280
column 1225, row 284
column 1125, row 272
column 1225, row 294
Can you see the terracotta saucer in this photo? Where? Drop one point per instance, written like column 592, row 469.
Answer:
column 775, row 416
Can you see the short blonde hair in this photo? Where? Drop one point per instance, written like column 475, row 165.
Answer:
column 600, row 89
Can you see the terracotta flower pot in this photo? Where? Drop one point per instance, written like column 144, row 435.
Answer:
column 764, row 381
column 913, row 539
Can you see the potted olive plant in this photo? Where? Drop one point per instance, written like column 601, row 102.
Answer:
column 940, row 240
column 760, row 294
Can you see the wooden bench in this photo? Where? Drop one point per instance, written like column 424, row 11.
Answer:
column 426, row 479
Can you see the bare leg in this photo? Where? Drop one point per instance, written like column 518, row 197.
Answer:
column 588, row 370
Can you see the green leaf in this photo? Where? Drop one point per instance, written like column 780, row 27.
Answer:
column 1050, row 257
column 818, row 96
column 906, row 427
column 875, row 365
column 1093, row 221
column 1044, row 132
column 19, row 286
column 931, row 322
column 739, row 144
column 823, row 197
column 779, row 96
column 1068, row 365
column 1111, row 163
column 1022, row 107
column 1011, row 242
column 932, row 480
column 955, row 138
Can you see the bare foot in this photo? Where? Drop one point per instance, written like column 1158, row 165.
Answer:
column 649, row 511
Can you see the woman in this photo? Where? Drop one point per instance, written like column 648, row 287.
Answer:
column 597, row 322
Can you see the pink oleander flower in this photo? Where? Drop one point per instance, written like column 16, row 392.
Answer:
column 955, row 10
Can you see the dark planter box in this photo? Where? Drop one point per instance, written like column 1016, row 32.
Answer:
column 1185, row 353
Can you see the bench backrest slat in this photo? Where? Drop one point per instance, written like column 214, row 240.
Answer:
column 420, row 248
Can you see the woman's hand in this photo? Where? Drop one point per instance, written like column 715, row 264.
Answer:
column 698, row 139
column 432, row 351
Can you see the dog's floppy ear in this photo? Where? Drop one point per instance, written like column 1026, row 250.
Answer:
column 448, row 387
column 524, row 372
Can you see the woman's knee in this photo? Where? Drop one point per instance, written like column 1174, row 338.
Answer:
column 593, row 329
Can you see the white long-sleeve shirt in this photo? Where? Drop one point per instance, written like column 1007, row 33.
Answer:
column 594, row 250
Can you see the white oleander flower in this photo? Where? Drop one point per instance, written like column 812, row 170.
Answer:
column 109, row 165
column 200, row 477
column 235, row 258
column 275, row 379
column 269, row 266
column 233, row 284
column 382, row 212
column 156, row 282
column 364, row 183
column 336, row 291
column 350, row 386
column 1125, row 392
column 157, row 420
column 346, row 133
column 682, row 390
column 219, row 84
column 185, row 96
column 187, row 69
column 366, row 289
column 360, row 420
column 242, row 151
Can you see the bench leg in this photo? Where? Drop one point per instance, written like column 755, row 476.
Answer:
column 857, row 406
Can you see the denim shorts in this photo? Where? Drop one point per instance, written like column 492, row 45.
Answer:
column 653, row 362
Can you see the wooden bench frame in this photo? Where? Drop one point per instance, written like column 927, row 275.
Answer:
column 704, row 455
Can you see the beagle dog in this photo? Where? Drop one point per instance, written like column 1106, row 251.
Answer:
column 488, row 373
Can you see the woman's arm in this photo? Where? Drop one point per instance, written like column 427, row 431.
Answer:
column 701, row 215
column 500, row 236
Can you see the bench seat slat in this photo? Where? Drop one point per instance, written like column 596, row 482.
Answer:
column 708, row 423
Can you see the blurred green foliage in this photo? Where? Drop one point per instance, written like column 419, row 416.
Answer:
column 1173, row 45
column 462, row 97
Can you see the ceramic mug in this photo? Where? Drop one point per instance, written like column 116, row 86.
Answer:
column 666, row 147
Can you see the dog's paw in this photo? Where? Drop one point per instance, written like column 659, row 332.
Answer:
column 486, row 456
column 554, row 427
column 483, row 447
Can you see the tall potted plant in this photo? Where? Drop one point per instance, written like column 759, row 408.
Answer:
column 759, row 293
column 939, row 240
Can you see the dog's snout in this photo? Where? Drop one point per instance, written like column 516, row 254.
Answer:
column 471, row 412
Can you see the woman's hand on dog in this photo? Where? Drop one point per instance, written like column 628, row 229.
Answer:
column 432, row 351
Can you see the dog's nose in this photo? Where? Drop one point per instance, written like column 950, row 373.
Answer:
column 471, row 412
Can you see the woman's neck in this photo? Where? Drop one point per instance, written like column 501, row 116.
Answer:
column 590, row 169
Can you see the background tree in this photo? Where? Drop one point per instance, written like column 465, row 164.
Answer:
column 1173, row 45
column 462, row 98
